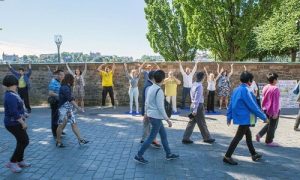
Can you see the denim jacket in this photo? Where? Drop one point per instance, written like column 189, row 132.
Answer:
column 26, row 76
column 242, row 106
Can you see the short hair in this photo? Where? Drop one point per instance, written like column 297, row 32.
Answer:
column 57, row 71
column 272, row 76
column 21, row 69
column 68, row 80
column 151, row 75
column 10, row 80
column 159, row 76
column 246, row 77
column 199, row 76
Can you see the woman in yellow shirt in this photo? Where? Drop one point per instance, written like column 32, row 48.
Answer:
column 171, row 84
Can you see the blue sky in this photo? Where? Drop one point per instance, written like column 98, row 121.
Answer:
column 112, row 27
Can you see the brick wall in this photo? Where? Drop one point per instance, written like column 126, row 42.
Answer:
column 40, row 79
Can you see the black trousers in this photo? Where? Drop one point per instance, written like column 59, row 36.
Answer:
column 211, row 101
column 23, row 92
column 22, row 142
column 54, row 117
column 242, row 130
column 110, row 91
column 270, row 129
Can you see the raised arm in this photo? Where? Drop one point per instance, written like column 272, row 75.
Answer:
column 113, row 67
column 181, row 68
column 69, row 70
column 140, row 68
column 99, row 69
column 206, row 73
column 231, row 70
column 178, row 82
column 219, row 74
column 84, row 71
column 195, row 68
column 29, row 70
column 13, row 71
column 157, row 66
column 245, row 68
column 126, row 70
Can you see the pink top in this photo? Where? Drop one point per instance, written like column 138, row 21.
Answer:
column 270, row 101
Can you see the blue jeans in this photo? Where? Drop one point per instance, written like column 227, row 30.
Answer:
column 157, row 127
column 185, row 93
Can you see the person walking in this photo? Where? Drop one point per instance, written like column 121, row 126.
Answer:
column 155, row 111
column 107, row 82
column 24, row 84
column 53, row 99
column 224, row 85
column 271, row 107
column 133, row 92
column 14, row 121
column 146, row 120
column 243, row 110
column 79, row 85
column 171, row 84
column 187, row 77
column 66, row 113
column 198, row 115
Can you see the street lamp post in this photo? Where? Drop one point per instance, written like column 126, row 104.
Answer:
column 58, row 41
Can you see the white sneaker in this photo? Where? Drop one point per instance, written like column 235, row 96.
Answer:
column 137, row 112
column 14, row 167
column 130, row 112
column 24, row 164
column 115, row 107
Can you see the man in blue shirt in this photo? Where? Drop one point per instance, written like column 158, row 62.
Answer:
column 54, row 87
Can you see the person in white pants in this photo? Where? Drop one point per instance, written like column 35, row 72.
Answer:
column 133, row 92
column 171, row 84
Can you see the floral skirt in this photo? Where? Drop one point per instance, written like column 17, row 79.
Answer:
column 66, row 112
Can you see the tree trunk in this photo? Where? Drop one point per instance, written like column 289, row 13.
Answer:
column 293, row 55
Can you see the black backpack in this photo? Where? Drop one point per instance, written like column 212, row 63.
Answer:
column 168, row 107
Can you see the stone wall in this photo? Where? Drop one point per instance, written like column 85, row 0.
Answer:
column 40, row 79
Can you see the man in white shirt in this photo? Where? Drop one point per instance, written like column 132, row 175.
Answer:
column 187, row 77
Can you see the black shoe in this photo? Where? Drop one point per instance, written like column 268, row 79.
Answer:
column 82, row 141
column 172, row 156
column 256, row 157
column 63, row 133
column 140, row 160
column 229, row 161
column 60, row 145
column 28, row 111
column 296, row 129
column 156, row 145
column 210, row 141
column 187, row 141
column 141, row 141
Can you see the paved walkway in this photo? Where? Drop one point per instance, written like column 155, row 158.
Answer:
column 115, row 139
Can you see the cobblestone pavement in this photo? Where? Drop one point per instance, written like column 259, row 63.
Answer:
column 115, row 137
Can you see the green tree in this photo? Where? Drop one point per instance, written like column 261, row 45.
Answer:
column 225, row 26
column 167, row 30
column 278, row 35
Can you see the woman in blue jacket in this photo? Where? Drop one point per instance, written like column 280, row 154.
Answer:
column 243, row 110
column 14, row 121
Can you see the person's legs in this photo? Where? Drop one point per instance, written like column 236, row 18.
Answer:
column 184, row 95
column 174, row 104
column 76, row 130
column 164, row 139
column 59, row 130
column 221, row 101
column 146, row 128
column 271, row 130
column 22, row 142
column 212, row 108
column 82, row 103
column 54, row 118
column 136, row 99
column 237, row 138
column 208, row 101
column 200, row 119
column 189, row 129
column 24, row 94
column 130, row 92
column 297, row 122
column 226, row 102
column 249, row 142
column 156, row 124
column 168, row 99
column 264, row 130
column 111, row 95
column 104, row 94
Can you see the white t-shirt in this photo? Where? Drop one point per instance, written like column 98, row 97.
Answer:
column 188, row 79
column 253, row 88
column 211, row 85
